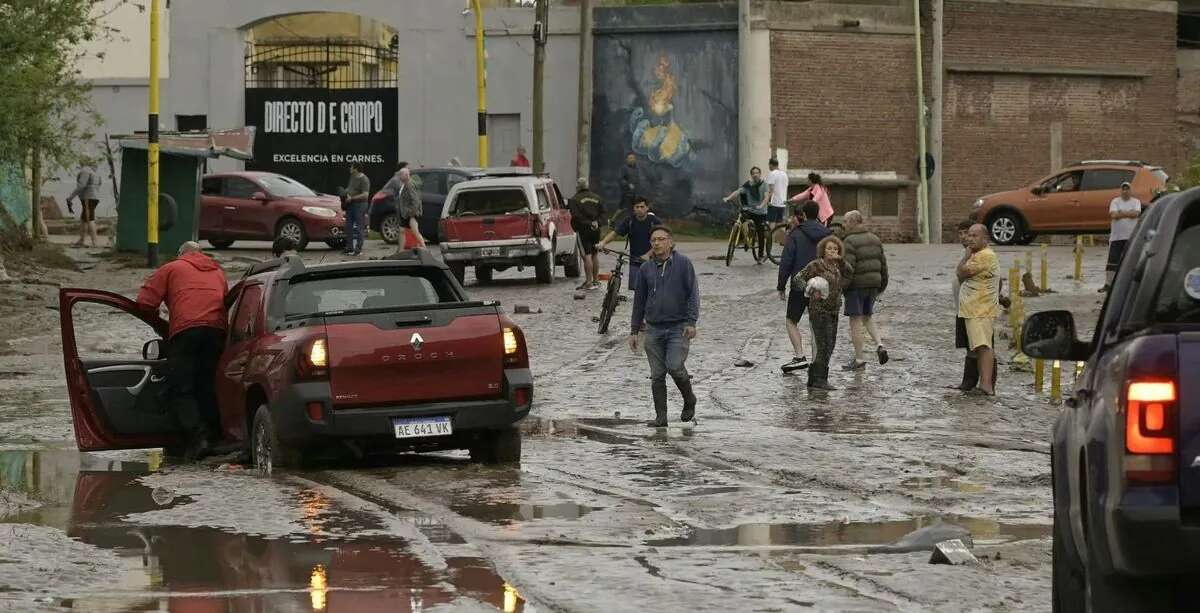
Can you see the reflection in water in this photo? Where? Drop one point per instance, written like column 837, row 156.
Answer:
column 206, row 569
column 851, row 533
column 506, row 513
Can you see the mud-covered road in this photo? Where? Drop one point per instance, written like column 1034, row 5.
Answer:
column 778, row 499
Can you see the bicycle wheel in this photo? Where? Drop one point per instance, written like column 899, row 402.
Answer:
column 611, row 296
column 775, row 243
column 733, row 241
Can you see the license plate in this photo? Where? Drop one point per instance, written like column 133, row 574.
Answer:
column 422, row 426
column 490, row 252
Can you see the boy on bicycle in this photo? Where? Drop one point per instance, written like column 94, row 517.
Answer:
column 753, row 195
column 637, row 230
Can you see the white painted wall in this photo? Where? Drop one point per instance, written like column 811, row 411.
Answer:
column 127, row 51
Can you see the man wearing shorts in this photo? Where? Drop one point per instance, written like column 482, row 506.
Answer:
column 970, row 378
column 864, row 254
column 979, row 303
column 777, row 188
column 87, row 189
column 586, row 212
column 798, row 251
column 1124, row 211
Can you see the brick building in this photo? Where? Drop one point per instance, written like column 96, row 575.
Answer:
column 1100, row 72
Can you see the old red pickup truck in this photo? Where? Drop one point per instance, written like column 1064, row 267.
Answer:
column 360, row 357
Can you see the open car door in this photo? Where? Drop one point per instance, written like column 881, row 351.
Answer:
column 118, row 400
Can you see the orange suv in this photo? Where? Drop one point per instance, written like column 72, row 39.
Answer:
column 1073, row 200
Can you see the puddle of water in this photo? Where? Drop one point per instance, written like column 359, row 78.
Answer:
column 927, row 483
column 507, row 513
column 853, row 533
column 175, row 568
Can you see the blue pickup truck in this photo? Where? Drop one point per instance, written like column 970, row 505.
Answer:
column 1125, row 456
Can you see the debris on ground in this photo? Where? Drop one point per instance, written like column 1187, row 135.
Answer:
column 952, row 552
column 741, row 363
column 927, row 538
column 580, row 296
column 525, row 309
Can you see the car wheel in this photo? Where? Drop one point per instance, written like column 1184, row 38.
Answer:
column 220, row 244
column 290, row 227
column 545, row 267
column 266, row 450
column 483, row 274
column 459, row 270
column 498, row 447
column 1006, row 228
column 389, row 228
column 1067, row 587
column 573, row 267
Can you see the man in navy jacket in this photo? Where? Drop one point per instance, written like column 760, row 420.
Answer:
column 801, row 248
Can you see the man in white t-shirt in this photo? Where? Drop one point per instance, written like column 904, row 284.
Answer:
column 1124, row 211
column 777, row 193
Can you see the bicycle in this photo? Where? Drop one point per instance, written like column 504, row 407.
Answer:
column 743, row 234
column 612, row 295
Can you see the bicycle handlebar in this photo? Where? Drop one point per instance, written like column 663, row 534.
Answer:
column 632, row 258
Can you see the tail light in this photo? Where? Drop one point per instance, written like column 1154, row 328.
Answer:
column 516, row 355
column 445, row 230
column 313, row 361
column 1150, row 431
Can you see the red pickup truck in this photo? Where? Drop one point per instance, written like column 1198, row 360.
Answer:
column 364, row 357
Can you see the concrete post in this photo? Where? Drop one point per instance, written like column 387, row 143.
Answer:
column 540, row 34
column 745, row 125
column 583, row 159
column 923, row 190
column 936, row 102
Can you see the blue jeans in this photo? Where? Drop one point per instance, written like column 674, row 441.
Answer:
column 356, row 227
column 667, row 350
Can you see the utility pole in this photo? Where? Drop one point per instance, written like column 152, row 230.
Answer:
column 923, row 190
column 936, row 101
column 152, row 142
column 745, row 124
column 583, row 156
column 540, row 34
column 481, row 82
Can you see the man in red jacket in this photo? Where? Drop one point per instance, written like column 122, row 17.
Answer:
column 193, row 286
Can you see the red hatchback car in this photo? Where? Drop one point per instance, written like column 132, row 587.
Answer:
column 264, row 206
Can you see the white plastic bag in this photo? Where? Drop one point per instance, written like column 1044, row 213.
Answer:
column 817, row 288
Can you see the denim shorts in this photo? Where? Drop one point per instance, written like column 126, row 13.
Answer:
column 861, row 302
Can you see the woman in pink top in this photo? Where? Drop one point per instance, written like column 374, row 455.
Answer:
column 820, row 194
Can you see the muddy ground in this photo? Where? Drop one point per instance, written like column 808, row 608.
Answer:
column 778, row 499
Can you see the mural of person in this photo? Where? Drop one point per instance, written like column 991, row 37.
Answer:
column 656, row 135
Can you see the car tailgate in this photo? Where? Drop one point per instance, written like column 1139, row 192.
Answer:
column 451, row 352
column 470, row 228
column 1188, row 404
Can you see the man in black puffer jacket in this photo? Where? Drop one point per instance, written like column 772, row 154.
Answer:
column 864, row 254
column 800, row 249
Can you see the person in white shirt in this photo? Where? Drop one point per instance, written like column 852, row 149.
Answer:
column 777, row 191
column 1124, row 211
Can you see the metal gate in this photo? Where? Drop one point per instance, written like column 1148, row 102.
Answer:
column 321, row 105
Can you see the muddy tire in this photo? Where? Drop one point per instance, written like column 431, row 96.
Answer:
column 266, row 450
column 290, row 227
column 459, row 270
column 1067, row 588
column 483, row 274
column 390, row 229
column 573, row 266
column 544, row 268
column 1006, row 228
column 498, row 447
column 220, row 244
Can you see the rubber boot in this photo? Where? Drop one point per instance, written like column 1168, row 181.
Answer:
column 659, row 390
column 970, row 374
column 689, row 399
column 822, row 379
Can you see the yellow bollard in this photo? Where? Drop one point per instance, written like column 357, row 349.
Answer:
column 1013, row 292
column 1039, row 375
column 1078, row 372
column 1091, row 240
column 1079, row 258
column 1056, row 383
column 1045, row 285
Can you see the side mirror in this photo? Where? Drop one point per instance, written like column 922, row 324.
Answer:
column 1050, row 335
column 153, row 350
column 260, row 196
column 1037, row 190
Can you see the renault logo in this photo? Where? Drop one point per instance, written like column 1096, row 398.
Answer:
column 416, row 341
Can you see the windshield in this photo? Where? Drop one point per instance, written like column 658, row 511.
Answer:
column 491, row 202
column 283, row 187
column 389, row 290
column 1179, row 295
column 1161, row 175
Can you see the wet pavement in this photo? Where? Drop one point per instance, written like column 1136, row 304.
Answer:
column 777, row 499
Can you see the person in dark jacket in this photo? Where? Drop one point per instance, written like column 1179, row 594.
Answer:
column 631, row 183
column 825, row 278
column 666, row 307
column 800, row 249
column 587, row 211
column 193, row 286
column 864, row 254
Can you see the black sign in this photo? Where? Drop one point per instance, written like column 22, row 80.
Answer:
column 314, row 134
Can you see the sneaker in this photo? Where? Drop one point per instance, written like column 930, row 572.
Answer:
column 594, row 285
column 854, row 365
column 584, row 286
column 796, row 364
column 882, row 354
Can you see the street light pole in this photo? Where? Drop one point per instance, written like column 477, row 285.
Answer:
column 540, row 34
column 152, row 149
column 922, row 153
column 481, row 82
